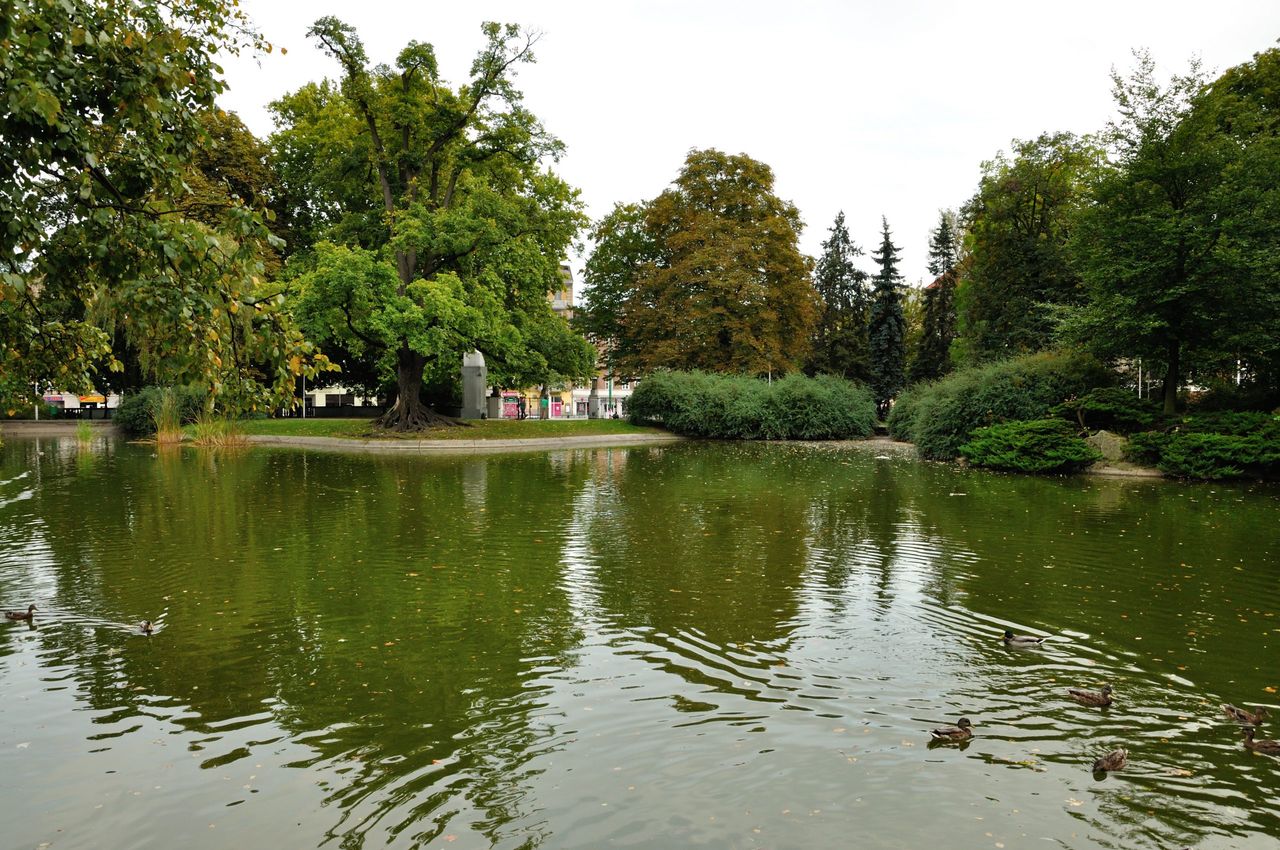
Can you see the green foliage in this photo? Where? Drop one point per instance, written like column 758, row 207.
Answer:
column 932, row 357
column 1214, row 445
column 701, row 404
column 840, row 343
column 940, row 417
column 1178, row 252
column 887, row 328
column 1018, row 264
column 1113, row 408
column 902, row 416
column 1039, row 446
column 431, row 225
column 134, row 415
column 110, row 240
column 708, row 275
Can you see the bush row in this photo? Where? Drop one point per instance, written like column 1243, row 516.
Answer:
column 700, row 404
column 942, row 416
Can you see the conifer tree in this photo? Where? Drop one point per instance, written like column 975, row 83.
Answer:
column 888, row 328
column 840, row 338
column 932, row 357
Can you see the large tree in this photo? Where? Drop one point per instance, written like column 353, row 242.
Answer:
column 442, row 230
column 1180, row 253
column 106, row 244
column 888, row 327
column 933, row 353
column 840, row 345
column 621, row 244
column 1018, row 266
column 716, row 281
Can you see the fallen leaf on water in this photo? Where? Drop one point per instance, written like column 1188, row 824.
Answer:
column 1072, row 801
column 1179, row 771
column 1269, row 689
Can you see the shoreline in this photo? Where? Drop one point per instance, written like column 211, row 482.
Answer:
column 64, row 428
column 373, row 446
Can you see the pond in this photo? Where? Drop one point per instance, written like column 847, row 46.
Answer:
column 687, row 645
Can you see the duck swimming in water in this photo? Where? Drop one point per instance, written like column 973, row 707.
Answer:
column 1010, row 639
column 146, row 627
column 20, row 615
column 1117, row 759
column 1239, row 715
column 962, row 731
column 1261, row 745
column 1100, row 699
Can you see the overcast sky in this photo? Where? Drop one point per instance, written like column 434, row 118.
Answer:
column 870, row 107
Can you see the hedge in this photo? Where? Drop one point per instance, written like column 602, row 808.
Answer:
column 700, row 404
column 942, row 416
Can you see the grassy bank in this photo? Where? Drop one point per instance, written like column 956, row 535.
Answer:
column 478, row 429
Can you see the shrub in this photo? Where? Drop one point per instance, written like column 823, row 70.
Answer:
column 1213, row 446
column 699, row 404
column 1040, row 445
column 902, row 416
column 1112, row 408
column 134, row 415
column 941, row 416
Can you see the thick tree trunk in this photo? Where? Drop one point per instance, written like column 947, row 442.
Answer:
column 409, row 413
column 1171, row 373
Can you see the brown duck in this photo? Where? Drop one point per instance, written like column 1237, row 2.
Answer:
column 1102, row 698
column 962, row 731
column 1117, row 759
column 1239, row 715
column 1261, row 745
column 20, row 615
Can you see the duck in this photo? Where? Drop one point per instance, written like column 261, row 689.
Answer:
column 1117, row 759
column 962, row 731
column 1100, row 698
column 1239, row 715
column 1011, row 639
column 1261, row 745
column 146, row 627
column 20, row 615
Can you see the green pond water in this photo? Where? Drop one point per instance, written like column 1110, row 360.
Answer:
column 687, row 645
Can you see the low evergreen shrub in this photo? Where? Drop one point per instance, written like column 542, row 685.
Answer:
column 1039, row 445
column 941, row 417
column 700, row 404
column 1227, row 444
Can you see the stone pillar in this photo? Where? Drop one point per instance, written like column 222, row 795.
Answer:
column 593, row 399
column 474, row 382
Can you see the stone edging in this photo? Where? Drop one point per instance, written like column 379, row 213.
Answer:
column 343, row 444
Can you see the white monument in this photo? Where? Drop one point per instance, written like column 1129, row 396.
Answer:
column 475, row 379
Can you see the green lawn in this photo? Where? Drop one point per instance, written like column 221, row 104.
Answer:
column 478, row 429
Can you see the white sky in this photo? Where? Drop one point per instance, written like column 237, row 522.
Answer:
column 870, row 107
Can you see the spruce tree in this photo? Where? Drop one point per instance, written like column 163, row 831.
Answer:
column 932, row 357
column 840, row 338
column 888, row 328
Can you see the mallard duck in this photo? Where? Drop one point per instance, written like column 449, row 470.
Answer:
column 962, row 731
column 1114, row 760
column 1239, row 715
column 20, row 615
column 1262, row 745
column 1011, row 639
column 145, row 626
column 1101, row 698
